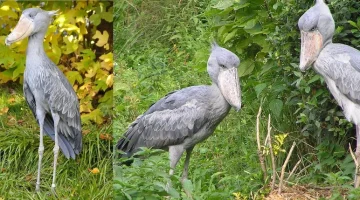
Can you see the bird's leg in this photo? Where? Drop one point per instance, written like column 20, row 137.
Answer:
column 40, row 117
column 56, row 119
column 186, row 170
column 357, row 154
column 175, row 153
column 186, row 164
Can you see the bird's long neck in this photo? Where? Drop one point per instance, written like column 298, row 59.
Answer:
column 219, row 101
column 35, row 46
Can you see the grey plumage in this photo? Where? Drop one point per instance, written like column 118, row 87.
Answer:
column 49, row 95
column 183, row 118
column 339, row 64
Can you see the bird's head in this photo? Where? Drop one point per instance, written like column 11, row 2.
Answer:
column 317, row 28
column 32, row 20
column 222, row 68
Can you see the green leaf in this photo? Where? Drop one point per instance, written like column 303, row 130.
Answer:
column 95, row 19
column 224, row 4
column 353, row 24
column 259, row 88
column 276, row 106
column 230, row 35
column 73, row 76
column 250, row 24
column 173, row 193
column 246, row 67
column 188, row 186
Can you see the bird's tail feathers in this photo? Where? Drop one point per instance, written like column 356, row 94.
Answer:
column 65, row 146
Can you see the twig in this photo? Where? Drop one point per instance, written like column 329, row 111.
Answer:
column 266, row 140
column 272, row 155
column 353, row 156
column 356, row 181
column 260, row 154
column 293, row 170
column 284, row 166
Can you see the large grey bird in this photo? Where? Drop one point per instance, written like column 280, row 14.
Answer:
column 48, row 93
column 339, row 64
column 183, row 118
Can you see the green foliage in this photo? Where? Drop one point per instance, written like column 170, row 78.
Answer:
column 79, row 41
column 164, row 47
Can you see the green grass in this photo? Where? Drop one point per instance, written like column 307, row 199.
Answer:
column 19, row 140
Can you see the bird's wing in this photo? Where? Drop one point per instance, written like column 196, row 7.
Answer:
column 64, row 145
column 165, row 127
column 345, row 72
column 63, row 100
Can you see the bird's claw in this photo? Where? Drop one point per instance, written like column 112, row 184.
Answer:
column 37, row 188
column 53, row 191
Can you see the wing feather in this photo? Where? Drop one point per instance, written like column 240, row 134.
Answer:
column 344, row 72
column 165, row 127
column 66, row 147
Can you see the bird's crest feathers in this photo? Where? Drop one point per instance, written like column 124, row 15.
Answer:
column 214, row 45
column 53, row 12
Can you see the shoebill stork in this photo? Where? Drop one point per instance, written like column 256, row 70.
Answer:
column 48, row 93
column 185, row 117
column 339, row 64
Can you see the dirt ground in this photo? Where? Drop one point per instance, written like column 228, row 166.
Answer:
column 302, row 193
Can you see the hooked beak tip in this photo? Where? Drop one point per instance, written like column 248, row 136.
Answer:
column 237, row 108
column 303, row 67
column 7, row 42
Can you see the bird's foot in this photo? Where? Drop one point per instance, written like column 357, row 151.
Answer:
column 53, row 191
column 183, row 178
column 187, row 190
column 37, row 188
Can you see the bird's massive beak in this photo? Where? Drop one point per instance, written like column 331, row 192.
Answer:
column 23, row 29
column 311, row 45
column 228, row 81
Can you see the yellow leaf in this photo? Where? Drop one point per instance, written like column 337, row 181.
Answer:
column 6, row 9
column 102, row 38
column 85, row 132
column 110, row 80
column 107, row 46
column 95, row 116
column 107, row 57
column 93, row 70
column 11, row 100
column 85, row 108
column 105, row 136
column 4, row 110
column 95, row 170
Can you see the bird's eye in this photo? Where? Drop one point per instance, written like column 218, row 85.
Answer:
column 32, row 15
column 222, row 66
column 313, row 29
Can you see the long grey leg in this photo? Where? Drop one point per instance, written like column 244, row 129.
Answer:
column 357, row 154
column 56, row 119
column 40, row 114
column 186, row 170
column 175, row 153
column 186, row 164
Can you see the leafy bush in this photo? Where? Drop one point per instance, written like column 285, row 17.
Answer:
column 79, row 41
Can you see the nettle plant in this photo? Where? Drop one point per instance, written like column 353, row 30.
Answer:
column 79, row 41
